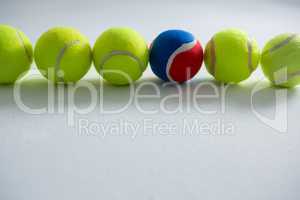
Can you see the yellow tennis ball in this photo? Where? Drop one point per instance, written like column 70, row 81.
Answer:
column 15, row 54
column 63, row 54
column 231, row 56
column 281, row 60
column 120, row 55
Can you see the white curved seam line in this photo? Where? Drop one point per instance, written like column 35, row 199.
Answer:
column 60, row 56
column 116, row 53
column 293, row 75
column 182, row 48
column 23, row 45
column 281, row 44
column 285, row 42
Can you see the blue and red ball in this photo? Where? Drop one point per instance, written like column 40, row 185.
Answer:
column 175, row 55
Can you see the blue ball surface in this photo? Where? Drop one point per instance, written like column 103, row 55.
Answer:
column 174, row 54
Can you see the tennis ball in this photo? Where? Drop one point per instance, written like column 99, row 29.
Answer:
column 63, row 55
column 15, row 54
column 175, row 55
column 120, row 55
column 281, row 60
column 230, row 56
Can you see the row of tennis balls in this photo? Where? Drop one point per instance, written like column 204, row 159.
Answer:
column 64, row 55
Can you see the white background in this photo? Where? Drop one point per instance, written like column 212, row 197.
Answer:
column 42, row 157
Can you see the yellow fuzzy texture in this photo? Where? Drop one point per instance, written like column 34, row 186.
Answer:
column 281, row 60
column 120, row 55
column 227, row 56
column 63, row 54
column 15, row 54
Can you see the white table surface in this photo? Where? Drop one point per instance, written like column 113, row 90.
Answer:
column 44, row 157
